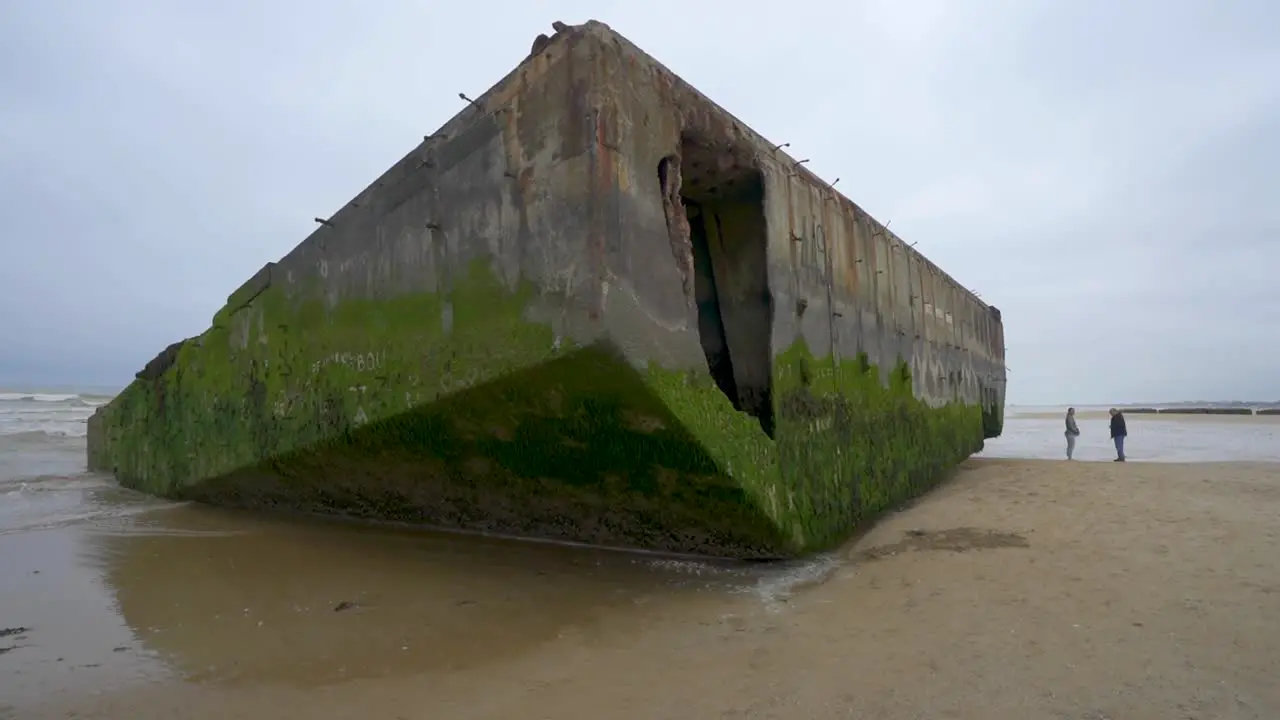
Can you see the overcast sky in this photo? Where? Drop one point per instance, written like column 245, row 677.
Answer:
column 1107, row 173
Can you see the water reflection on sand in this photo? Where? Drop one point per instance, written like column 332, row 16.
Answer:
column 230, row 596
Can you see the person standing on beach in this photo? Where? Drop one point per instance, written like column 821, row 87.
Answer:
column 1118, row 433
column 1073, row 432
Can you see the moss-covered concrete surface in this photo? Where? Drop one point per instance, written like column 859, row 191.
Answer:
column 383, row 410
column 850, row 447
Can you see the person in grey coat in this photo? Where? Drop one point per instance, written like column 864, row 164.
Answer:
column 1073, row 432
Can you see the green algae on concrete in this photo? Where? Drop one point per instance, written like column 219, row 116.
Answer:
column 852, row 447
column 582, row 447
column 488, row 425
column 534, row 439
column 276, row 374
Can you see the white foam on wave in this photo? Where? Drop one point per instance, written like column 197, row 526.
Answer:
column 67, row 519
column 55, row 419
column 49, row 396
column 771, row 583
column 42, row 430
column 696, row 568
column 44, row 502
column 55, row 483
column 37, row 397
column 16, row 410
column 774, row 587
column 88, row 399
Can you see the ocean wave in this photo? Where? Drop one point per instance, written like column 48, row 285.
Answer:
column 59, row 520
column 53, row 411
column 777, row 587
column 45, row 433
column 55, row 483
column 72, row 399
column 52, row 500
column 50, row 418
column 773, row 584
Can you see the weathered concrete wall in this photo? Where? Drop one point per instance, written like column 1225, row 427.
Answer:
column 863, row 288
column 593, row 306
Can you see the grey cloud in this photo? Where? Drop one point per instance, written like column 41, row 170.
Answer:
column 1103, row 172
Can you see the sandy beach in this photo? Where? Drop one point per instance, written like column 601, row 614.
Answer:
column 1021, row 589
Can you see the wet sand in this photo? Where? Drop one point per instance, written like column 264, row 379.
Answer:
column 1021, row 589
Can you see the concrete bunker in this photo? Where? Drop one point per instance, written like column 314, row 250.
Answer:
column 487, row 423
column 721, row 199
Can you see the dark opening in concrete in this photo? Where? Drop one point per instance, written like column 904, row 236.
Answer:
column 724, row 204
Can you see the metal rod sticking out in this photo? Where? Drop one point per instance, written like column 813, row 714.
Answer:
column 464, row 97
column 797, row 164
column 779, row 146
column 324, row 222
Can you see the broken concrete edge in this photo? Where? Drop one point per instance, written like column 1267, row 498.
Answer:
column 663, row 454
column 493, row 102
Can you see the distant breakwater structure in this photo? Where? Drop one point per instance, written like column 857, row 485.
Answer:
column 1202, row 411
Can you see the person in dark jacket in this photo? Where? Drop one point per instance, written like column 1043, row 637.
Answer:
column 1118, row 433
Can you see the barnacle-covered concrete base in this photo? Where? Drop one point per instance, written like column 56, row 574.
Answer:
column 594, row 306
